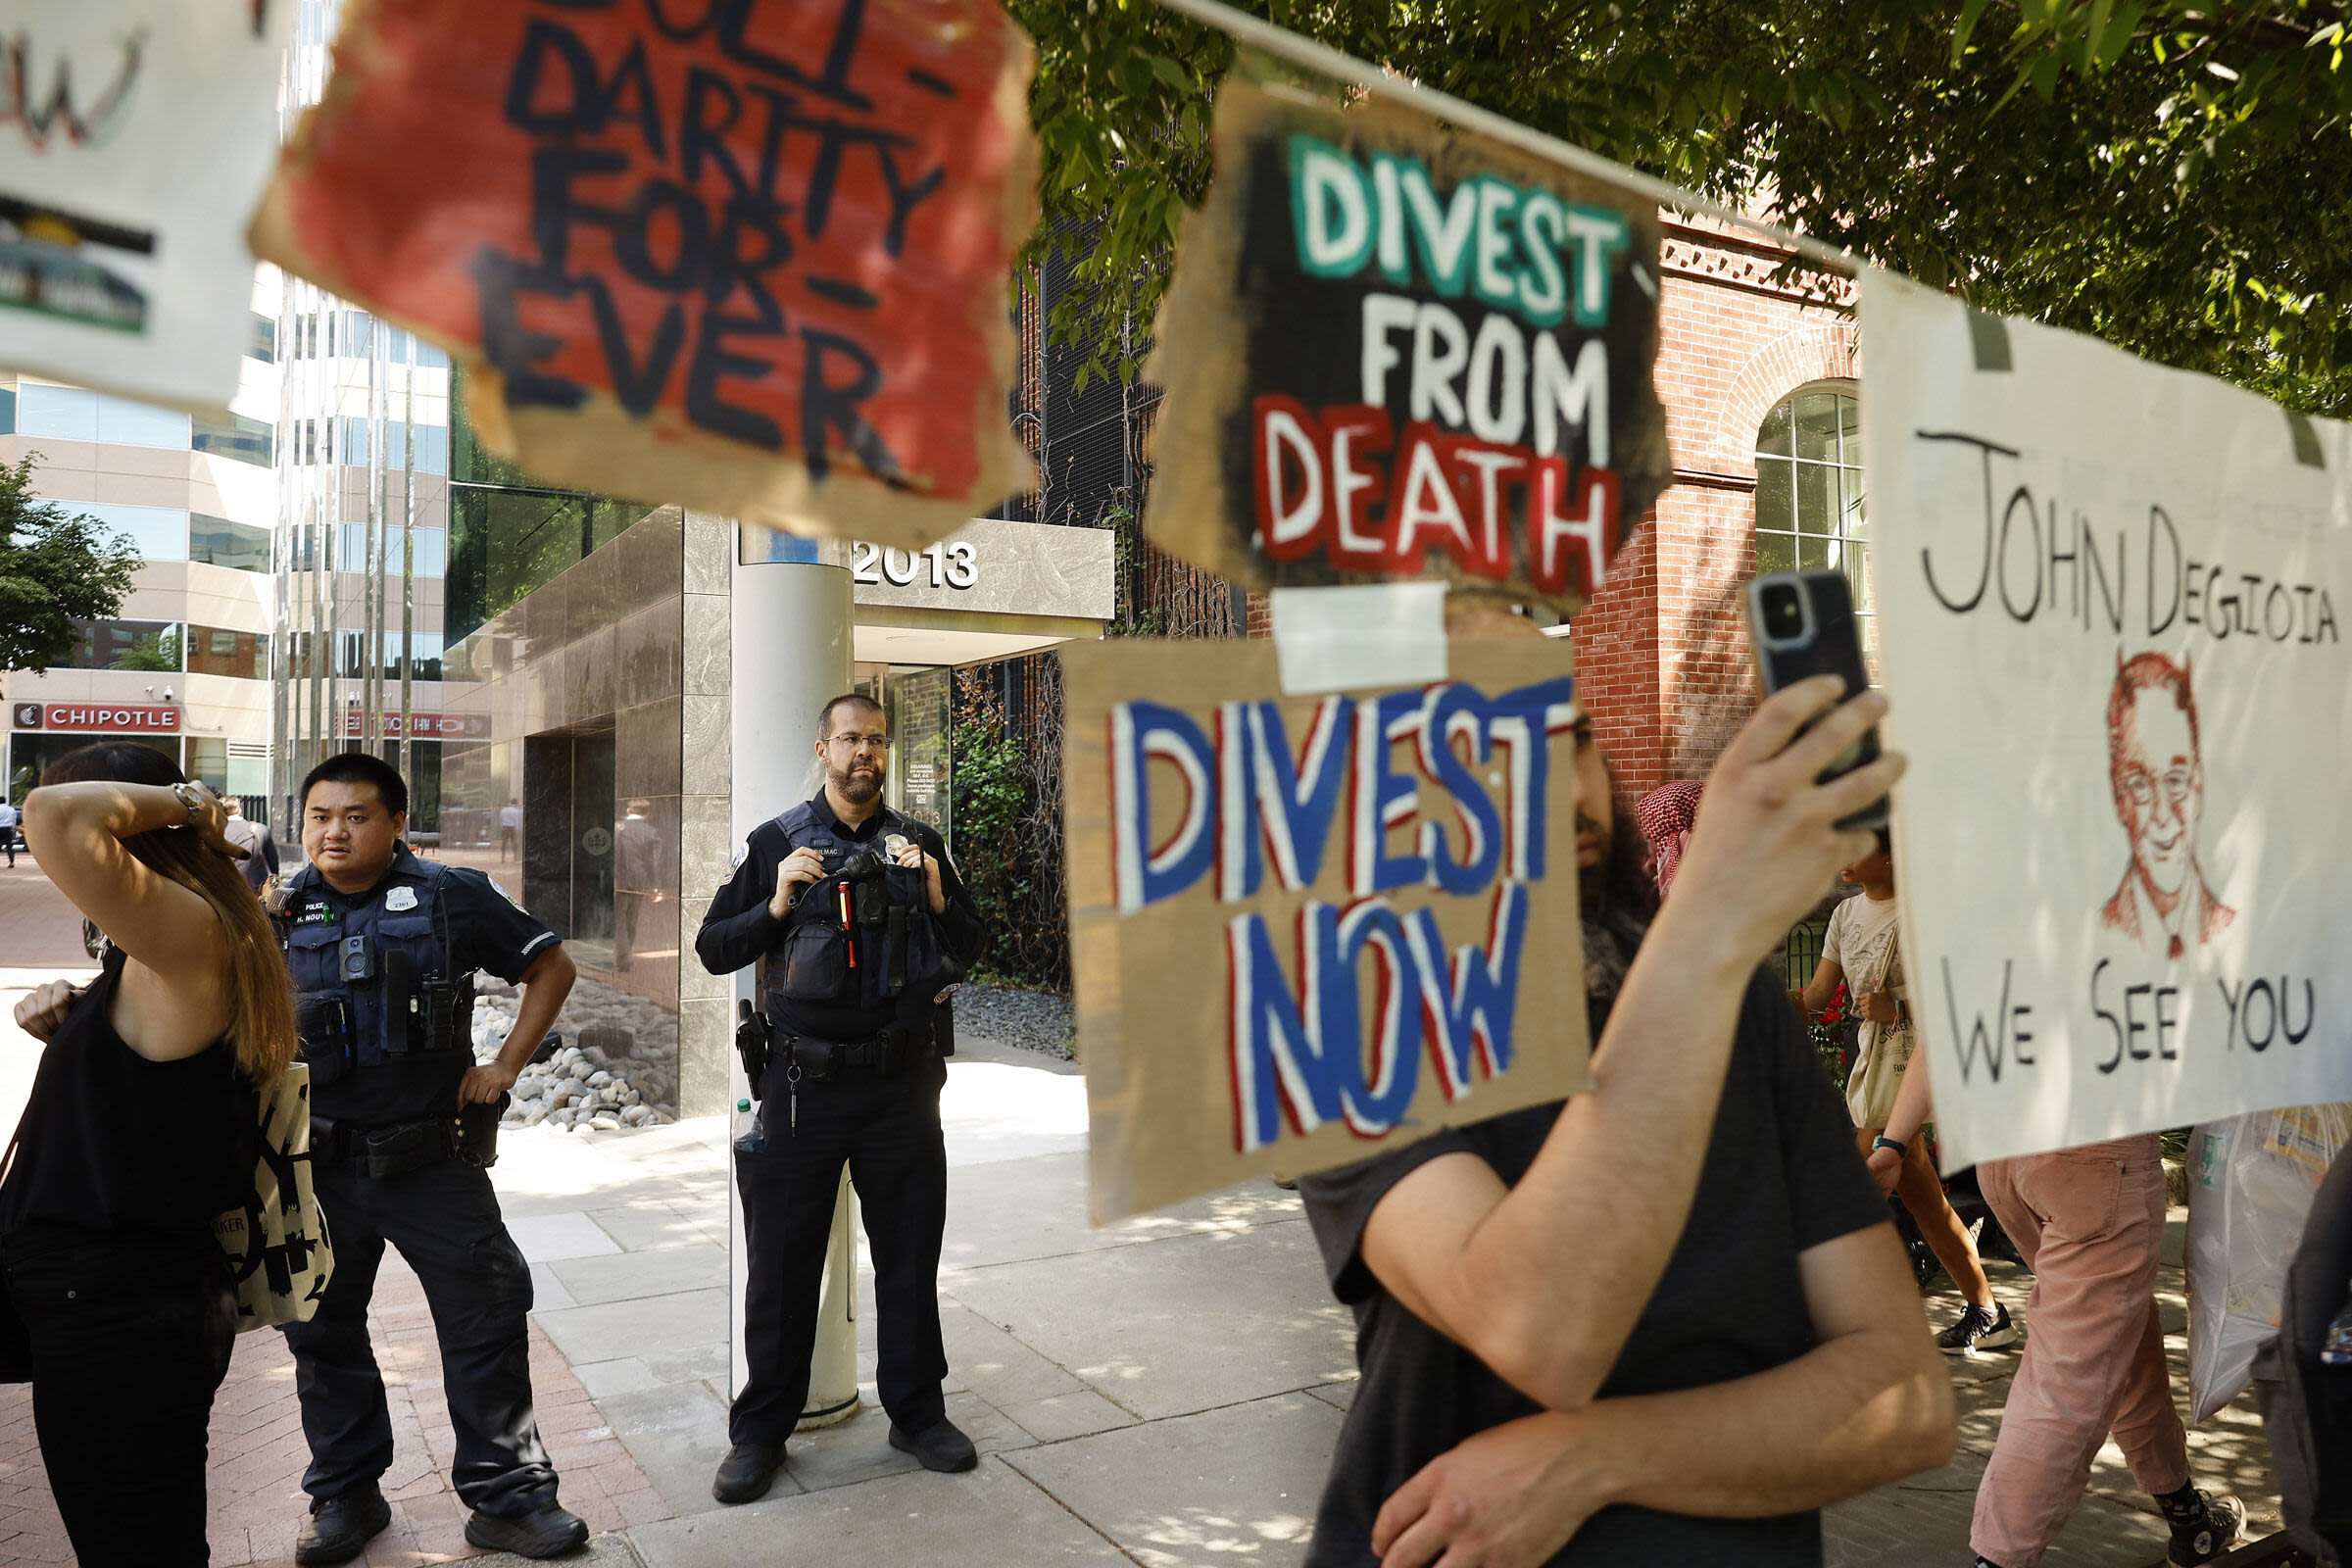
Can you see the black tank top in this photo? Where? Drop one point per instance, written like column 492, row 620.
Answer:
column 112, row 1141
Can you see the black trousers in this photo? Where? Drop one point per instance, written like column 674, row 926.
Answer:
column 444, row 1218
column 887, row 1131
column 130, row 1339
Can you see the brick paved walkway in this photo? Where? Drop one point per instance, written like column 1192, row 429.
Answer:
column 258, row 1454
column 38, row 928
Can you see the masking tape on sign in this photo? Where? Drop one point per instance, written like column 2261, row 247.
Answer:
column 1352, row 638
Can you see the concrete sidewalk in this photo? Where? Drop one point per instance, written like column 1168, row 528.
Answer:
column 1164, row 1393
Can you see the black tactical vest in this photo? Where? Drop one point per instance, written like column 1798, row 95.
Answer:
column 862, row 935
column 376, row 982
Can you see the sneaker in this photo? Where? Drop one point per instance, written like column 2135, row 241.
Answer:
column 340, row 1528
column 1977, row 1329
column 2201, row 1541
column 938, row 1447
column 548, row 1531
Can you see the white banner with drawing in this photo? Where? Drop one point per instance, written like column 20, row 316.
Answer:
column 2113, row 602
column 137, row 136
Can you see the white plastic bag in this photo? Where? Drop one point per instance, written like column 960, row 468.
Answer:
column 2251, row 1181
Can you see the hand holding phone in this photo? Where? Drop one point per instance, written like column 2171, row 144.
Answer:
column 1802, row 624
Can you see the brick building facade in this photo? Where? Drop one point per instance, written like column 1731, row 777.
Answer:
column 1663, row 650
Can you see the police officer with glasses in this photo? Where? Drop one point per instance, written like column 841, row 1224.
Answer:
column 860, row 925
column 383, row 949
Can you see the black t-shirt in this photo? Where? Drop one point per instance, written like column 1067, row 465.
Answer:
column 488, row 931
column 1780, row 1175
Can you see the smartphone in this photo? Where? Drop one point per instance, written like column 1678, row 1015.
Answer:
column 1801, row 624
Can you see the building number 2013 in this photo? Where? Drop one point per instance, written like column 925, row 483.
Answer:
column 953, row 565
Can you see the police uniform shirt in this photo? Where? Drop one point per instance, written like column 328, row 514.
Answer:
column 487, row 930
column 738, row 930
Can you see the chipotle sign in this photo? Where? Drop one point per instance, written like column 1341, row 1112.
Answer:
column 96, row 717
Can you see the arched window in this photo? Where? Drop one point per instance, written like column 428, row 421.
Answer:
column 1809, row 509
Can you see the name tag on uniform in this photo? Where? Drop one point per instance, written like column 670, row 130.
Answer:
column 400, row 899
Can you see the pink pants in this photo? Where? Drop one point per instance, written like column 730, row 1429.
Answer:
column 2090, row 1222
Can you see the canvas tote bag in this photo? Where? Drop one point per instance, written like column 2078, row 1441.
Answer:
column 276, row 1242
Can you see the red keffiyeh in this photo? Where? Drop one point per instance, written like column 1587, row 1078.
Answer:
column 1666, row 816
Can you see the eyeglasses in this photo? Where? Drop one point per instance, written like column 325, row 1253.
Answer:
column 850, row 742
column 2142, row 789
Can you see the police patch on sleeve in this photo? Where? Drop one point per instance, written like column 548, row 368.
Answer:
column 501, row 890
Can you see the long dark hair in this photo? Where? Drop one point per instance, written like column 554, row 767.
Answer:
column 261, row 1026
column 1619, row 902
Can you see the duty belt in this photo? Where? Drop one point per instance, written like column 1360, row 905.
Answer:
column 820, row 1060
column 383, row 1152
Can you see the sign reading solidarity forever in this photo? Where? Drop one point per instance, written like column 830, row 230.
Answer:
column 134, row 137
column 2113, row 601
column 1306, row 929
column 1395, row 351
column 748, row 254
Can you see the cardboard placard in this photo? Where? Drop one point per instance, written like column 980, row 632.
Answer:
column 1307, row 929
column 748, row 258
column 1391, row 350
column 138, row 134
column 2111, row 601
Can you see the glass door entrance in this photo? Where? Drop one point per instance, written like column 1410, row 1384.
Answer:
column 915, row 697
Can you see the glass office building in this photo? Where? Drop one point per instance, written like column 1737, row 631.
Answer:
column 184, row 666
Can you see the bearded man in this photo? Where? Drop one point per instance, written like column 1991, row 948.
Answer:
column 1667, row 1320
column 861, row 923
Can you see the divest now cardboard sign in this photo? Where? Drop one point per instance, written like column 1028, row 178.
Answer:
column 1307, row 929
column 2111, row 599
column 747, row 255
column 135, row 136
column 1394, row 351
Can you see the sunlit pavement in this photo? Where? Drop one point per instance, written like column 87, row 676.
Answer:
column 1164, row 1391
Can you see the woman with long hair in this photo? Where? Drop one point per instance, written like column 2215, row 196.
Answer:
column 140, row 1129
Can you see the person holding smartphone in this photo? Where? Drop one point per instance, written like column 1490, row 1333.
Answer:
column 1666, row 1320
column 140, row 1129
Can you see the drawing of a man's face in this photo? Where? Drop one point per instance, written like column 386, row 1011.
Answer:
column 2159, row 785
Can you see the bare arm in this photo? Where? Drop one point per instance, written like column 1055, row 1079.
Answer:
column 1823, row 986
column 173, row 1000
column 1914, row 1104
column 545, row 985
column 1537, row 1281
column 1871, row 1403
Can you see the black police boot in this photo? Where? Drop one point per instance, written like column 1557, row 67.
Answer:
column 745, row 1474
column 938, row 1447
column 549, row 1531
column 340, row 1528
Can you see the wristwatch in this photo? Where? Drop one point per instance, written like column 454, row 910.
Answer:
column 1900, row 1148
column 192, row 796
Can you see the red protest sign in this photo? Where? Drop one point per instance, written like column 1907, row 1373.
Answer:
column 749, row 255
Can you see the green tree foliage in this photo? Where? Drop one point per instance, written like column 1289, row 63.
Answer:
column 158, row 650
column 1008, row 849
column 56, row 569
column 2175, row 178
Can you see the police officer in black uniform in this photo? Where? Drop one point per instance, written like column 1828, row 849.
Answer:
column 859, row 924
column 383, row 947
